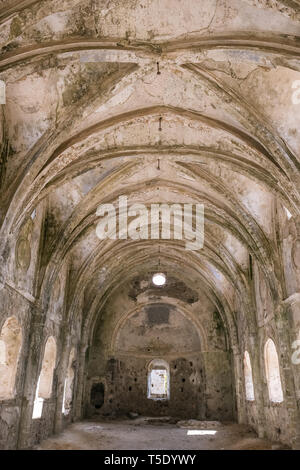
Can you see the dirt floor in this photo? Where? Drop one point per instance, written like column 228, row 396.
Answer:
column 155, row 434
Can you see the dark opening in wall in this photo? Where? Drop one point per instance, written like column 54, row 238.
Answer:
column 97, row 395
column 250, row 267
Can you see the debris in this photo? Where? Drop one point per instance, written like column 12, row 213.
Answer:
column 195, row 424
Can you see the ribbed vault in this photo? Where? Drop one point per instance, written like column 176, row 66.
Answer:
column 160, row 107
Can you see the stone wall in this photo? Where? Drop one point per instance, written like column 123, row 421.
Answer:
column 200, row 365
column 195, row 392
column 165, row 102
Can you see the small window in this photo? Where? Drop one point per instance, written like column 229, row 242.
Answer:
column 273, row 372
column 158, row 380
column 248, row 377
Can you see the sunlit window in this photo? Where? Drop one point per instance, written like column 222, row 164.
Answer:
column 44, row 385
column 273, row 372
column 248, row 377
column 158, row 380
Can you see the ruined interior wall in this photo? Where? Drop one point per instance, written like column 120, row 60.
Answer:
column 53, row 418
column 17, row 289
column 276, row 417
column 200, row 367
column 13, row 303
column 230, row 106
column 43, row 427
column 67, row 337
column 196, row 391
column 219, row 394
column 270, row 419
column 289, row 249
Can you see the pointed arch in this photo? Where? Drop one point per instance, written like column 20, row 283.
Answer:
column 273, row 372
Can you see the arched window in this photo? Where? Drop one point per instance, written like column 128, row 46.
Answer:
column 158, row 380
column 248, row 378
column 273, row 372
column 44, row 386
column 68, row 388
column 10, row 346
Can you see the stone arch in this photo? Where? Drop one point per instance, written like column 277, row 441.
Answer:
column 273, row 372
column 10, row 346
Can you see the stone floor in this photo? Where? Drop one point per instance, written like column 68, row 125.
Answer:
column 154, row 434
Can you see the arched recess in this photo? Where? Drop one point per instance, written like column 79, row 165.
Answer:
column 68, row 387
column 44, row 385
column 273, row 372
column 158, row 380
column 46, row 377
column 10, row 346
column 249, row 387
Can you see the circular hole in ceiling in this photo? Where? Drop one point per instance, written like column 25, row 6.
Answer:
column 159, row 279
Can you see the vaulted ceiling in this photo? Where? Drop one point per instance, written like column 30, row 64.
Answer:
column 88, row 84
